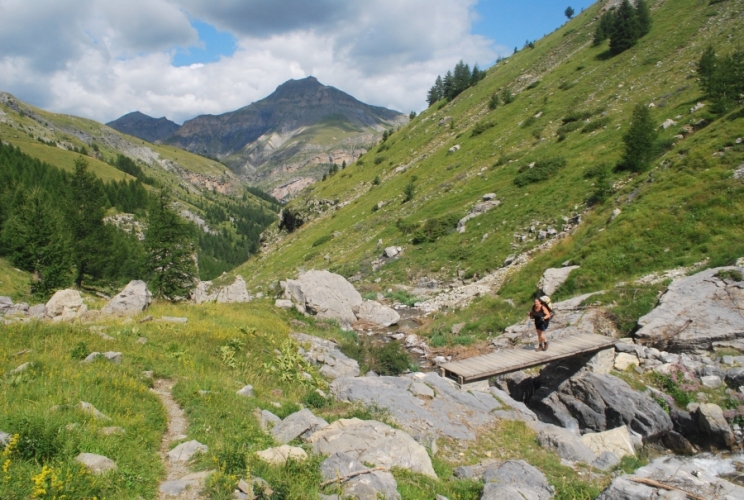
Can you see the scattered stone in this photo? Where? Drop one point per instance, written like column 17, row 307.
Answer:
column 190, row 481
column 185, row 451
column 91, row 357
column 373, row 442
column 365, row 486
column 489, row 196
column 89, row 408
column 111, row 431
column 114, row 357
column 677, row 443
column 283, row 303
column 96, row 464
column 142, row 340
column 711, row 381
column 37, row 312
column 668, row 123
column 266, row 419
column 131, row 301
column 457, row 328
column 174, row 319
column 695, row 312
column 280, row 455
column 515, row 479
column 565, row 443
column 553, row 278
column 391, row 252
column 300, row 424
column 421, row 390
column 478, row 210
column 21, row 368
column 606, row 461
column 246, row 391
column 697, row 107
column 334, row 363
column 235, row 293
column 454, row 148
column 624, row 360
column 374, row 312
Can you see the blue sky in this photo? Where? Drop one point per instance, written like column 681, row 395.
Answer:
column 213, row 44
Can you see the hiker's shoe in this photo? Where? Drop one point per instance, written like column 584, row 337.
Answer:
column 545, row 346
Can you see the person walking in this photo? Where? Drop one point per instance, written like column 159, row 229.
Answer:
column 541, row 314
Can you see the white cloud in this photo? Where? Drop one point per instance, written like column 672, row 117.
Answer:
column 101, row 59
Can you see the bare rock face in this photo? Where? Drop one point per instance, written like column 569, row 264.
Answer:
column 300, row 424
column 369, row 441
column 374, row 312
column 552, row 279
column 515, row 479
column 327, row 295
column 65, row 305
column 365, row 486
column 697, row 311
column 481, row 208
column 131, row 301
column 235, row 293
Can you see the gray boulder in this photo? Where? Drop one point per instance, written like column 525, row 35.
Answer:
column 65, row 305
column 479, row 209
column 374, row 312
column 367, row 486
column 333, row 363
column 515, row 480
column 696, row 311
column 177, row 486
column 5, row 304
column 735, row 377
column 369, row 441
column 711, row 422
column 235, row 293
column 696, row 475
column 37, row 311
column 96, row 464
column 246, row 392
column 326, row 295
column 566, row 444
column 184, row 451
column 131, row 301
column 552, row 279
column 282, row 454
column 266, row 419
column 299, row 424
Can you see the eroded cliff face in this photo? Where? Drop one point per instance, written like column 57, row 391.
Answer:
column 296, row 132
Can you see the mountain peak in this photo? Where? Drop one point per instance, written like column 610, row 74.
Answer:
column 143, row 126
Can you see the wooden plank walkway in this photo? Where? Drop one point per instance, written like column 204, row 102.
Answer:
column 509, row 360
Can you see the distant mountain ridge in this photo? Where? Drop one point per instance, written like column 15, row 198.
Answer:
column 145, row 127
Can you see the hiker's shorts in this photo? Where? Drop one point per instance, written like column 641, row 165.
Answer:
column 542, row 324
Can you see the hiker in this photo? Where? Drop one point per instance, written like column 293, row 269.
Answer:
column 541, row 313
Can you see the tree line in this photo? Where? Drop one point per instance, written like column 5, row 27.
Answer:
column 454, row 82
column 722, row 78
column 623, row 26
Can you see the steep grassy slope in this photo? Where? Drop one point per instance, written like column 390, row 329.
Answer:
column 13, row 282
column 687, row 208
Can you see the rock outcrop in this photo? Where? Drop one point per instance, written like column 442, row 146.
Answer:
column 234, row 293
column 697, row 311
column 65, row 305
column 373, row 312
column 326, row 295
column 131, row 301
column 515, row 479
column 489, row 203
column 552, row 279
column 300, row 424
column 333, row 363
column 371, row 485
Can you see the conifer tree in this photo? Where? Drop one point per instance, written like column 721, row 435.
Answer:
column 706, row 68
column 36, row 242
column 639, row 141
column 626, row 29
column 569, row 12
column 643, row 13
column 171, row 249
column 605, row 27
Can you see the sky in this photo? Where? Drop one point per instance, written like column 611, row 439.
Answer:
column 181, row 58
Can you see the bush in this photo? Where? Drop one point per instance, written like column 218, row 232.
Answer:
column 596, row 125
column 494, row 102
column 435, row 228
column 542, row 170
column 315, row 400
column 390, row 359
column 576, row 116
column 409, row 191
column 376, row 180
column 406, row 227
column 507, row 97
column 730, row 275
column 533, row 84
column 568, row 128
column 80, row 351
column 322, row 239
column 481, row 127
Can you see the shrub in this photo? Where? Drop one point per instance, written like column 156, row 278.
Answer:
column 542, row 170
column 576, row 116
column 568, row 128
column 596, row 125
column 564, row 85
column 507, row 97
column 376, row 180
column 533, row 84
column 322, row 239
column 409, row 191
column 80, row 351
column 730, row 274
column 390, row 359
column 494, row 102
column 379, row 159
column 481, row 127
column 435, row 228
column 315, row 400
column 406, row 227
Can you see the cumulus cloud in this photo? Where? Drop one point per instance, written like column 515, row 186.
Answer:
column 102, row 58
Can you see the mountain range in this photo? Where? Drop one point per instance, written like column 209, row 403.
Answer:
column 283, row 142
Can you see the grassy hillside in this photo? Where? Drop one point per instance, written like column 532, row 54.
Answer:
column 13, row 282
column 686, row 209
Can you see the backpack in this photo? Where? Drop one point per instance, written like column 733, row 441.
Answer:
column 545, row 300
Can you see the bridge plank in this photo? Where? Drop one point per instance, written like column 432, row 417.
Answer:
column 508, row 360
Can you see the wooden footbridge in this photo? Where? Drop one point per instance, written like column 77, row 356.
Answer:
column 480, row 368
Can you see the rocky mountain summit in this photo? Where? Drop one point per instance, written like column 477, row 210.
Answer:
column 145, row 127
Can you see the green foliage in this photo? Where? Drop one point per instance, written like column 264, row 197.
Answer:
column 730, row 275
column 315, row 400
column 722, row 78
column 409, row 191
column 481, row 127
column 533, row 85
column 80, row 351
column 668, row 384
column 454, row 83
column 626, row 29
column 602, row 182
column 435, row 228
column 411, row 115
column 569, row 12
column 542, row 170
column 507, row 97
column 402, row 297
column 290, row 220
column 596, row 125
column 406, row 227
column 639, row 141
column 322, row 240
column 170, row 246
column 494, row 101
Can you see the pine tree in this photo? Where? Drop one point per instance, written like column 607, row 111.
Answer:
column 626, row 30
column 462, row 76
column 643, row 13
column 171, row 250
column 706, row 68
column 639, row 141
column 569, row 12
column 36, row 242
column 448, row 85
column 605, row 27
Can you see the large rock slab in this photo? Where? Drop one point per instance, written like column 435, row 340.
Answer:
column 696, row 311
column 333, row 363
column 327, row 295
column 374, row 312
column 699, row 476
column 96, row 464
column 552, row 279
column 299, row 424
column 369, row 441
column 185, row 451
column 567, row 444
column 65, row 305
column 617, row 441
column 449, row 413
column 366, row 486
column 281, row 454
column 515, row 480
column 131, row 301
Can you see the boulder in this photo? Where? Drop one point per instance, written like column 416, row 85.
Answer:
column 369, row 441
column 735, row 377
column 281, row 454
column 299, row 424
column 565, row 443
column 624, row 360
column 246, row 392
column 283, row 303
column 367, row 486
column 5, row 304
column 65, row 305
column 333, row 363
column 553, row 278
column 478, row 210
column 326, row 295
column 606, row 461
column 515, row 480
column 184, row 451
column 711, row 422
column 266, row 419
column 374, row 312
column 616, row 441
column 131, row 301
column 694, row 476
column 391, row 252
column 89, row 408
column 236, row 293
column 696, row 311
column 190, row 481
column 96, row 464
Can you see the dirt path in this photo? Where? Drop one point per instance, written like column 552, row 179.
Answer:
column 177, row 474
